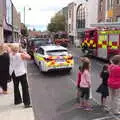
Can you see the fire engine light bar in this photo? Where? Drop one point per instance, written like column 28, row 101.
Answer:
column 107, row 24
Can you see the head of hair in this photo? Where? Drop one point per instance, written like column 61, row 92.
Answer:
column 15, row 47
column 105, row 67
column 80, row 68
column 116, row 59
column 86, row 66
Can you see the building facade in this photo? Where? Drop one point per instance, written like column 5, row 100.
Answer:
column 16, row 25
column 86, row 15
column 109, row 11
column 9, row 21
column 72, row 21
column 81, row 21
column 1, row 22
column 92, row 13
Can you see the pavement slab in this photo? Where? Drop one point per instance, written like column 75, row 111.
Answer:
column 8, row 111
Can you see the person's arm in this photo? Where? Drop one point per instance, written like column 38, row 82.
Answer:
column 78, row 79
column 25, row 56
column 88, row 79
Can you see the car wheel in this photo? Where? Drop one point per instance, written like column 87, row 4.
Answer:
column 69, row 70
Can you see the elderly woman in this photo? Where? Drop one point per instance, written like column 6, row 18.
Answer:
column 18, row 73
column 4, row 68
column 114, row 84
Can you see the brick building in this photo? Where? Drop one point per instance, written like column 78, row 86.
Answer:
column 109, row 11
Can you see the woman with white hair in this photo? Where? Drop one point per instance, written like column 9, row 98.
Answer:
column 18, row 73
column 4, row 69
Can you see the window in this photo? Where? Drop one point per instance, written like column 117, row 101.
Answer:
column 101, row 5
column 110, row 4
column 57, row 52
column 69, row 28
column 41, row 51
column 70, row 14
column 118, row 19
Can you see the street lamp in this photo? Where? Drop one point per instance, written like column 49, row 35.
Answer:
column 25, row 13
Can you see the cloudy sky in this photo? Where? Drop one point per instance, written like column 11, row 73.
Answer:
column 41, row 11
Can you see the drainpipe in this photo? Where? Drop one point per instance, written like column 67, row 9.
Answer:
column 12, row 26
column 106, row 4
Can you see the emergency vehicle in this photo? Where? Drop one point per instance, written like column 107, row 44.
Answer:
column 61, row 38
column 102, row 41
column 53, row 57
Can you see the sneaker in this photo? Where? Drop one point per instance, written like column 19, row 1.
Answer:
column 17, row 103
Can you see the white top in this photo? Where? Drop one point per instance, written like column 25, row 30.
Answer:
column 17, row 65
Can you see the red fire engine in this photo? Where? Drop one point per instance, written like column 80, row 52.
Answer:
column 61, row 38
column 103, row 40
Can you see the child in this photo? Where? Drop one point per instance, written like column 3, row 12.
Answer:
column 103, row 88
column 85, row 85
column 78, row 83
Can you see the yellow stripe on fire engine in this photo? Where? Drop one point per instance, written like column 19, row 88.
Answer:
column 91, row 41
column 110, row 43
column 88, row 44
column 85, row 41
column 83, row 44
column 100, row 42
column 114, row 47
column 94, row 45
column 104, row 46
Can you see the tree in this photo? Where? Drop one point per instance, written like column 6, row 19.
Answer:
column 57, row 23
column 34, row 29
column 24, row 31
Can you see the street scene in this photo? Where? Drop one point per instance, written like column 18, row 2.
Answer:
column 60, row 60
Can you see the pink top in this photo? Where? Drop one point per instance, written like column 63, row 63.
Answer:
column 114, row 76
column 85, row 79
column 78, row 78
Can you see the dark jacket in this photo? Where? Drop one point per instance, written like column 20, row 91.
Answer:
column 4, row 66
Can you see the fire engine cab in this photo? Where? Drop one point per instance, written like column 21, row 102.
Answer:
column 103, row 40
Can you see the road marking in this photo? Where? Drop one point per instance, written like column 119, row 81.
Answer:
column 108, row 117
column 103, row 118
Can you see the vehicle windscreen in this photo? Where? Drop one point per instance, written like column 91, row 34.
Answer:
column 57, row 52
column 40, row 42
column 60, row 36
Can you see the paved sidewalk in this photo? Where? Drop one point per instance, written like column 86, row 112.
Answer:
column 8, row 111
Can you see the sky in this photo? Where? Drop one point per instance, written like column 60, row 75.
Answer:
column 41, row 11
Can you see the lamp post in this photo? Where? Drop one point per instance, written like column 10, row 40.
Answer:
column 25, row 13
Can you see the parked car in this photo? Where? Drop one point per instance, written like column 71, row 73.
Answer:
column 34, row 43
column 53, row 57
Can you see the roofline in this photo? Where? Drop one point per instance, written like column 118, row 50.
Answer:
column 107, row 24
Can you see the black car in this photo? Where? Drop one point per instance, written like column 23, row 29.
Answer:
column 34, row 43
